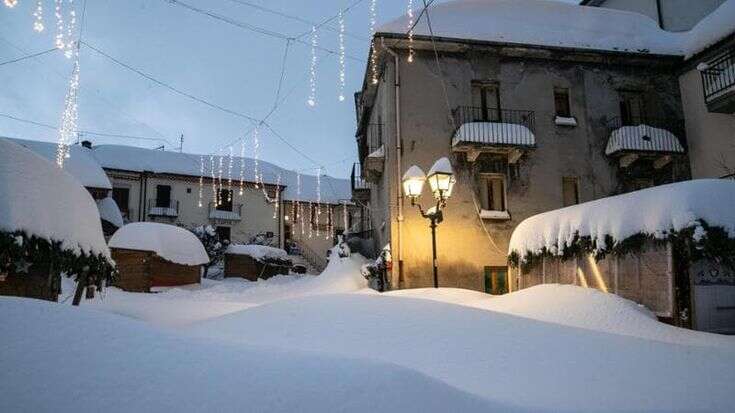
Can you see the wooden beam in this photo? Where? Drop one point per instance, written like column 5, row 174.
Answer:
column 661, row 162
column 514, row 155
column 472, row 155
column 628, row 159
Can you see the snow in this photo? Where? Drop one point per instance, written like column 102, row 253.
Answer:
column 378, row 153
column 47, row 202
column 169, row 242
column 565, row 121
column 110, row 212
column 711, row 29
column 494, row 133
column 642, row 138
column 487, row 214
column 163, row 211
column 259, row 252
column 544, row 23
column 442, row 165
column 81, row 164
column 224, row 215
column 654, row 211
column 129, row 158
column 414, row 172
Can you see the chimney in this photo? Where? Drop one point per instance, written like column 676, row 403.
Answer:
column 87, row 144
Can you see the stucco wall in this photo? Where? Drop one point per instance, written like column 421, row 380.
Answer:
column 711, row 135
column 464, row 247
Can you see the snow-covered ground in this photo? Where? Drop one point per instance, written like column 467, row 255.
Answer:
column 326, row 343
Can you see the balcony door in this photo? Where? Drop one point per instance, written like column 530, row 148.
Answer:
column 163, row 196
column 632, row 108
column 486, row 102
column 225, row 200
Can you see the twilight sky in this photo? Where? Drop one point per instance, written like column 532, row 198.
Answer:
column 226, row 65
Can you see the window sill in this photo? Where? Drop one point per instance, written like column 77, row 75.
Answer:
column 494, row 215
column 564, row 121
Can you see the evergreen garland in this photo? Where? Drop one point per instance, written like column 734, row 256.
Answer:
column 18, row 251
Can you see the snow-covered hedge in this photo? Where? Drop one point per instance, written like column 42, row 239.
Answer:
column 697, row 215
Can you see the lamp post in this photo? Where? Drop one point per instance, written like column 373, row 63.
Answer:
column 441, row 180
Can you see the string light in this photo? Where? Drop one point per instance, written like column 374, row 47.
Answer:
column 70, row 116
column 329, row 223
column 341, row 57
column 299, row 206
column 11, row 3
column 219, row 178
column 38, row 14
column 344, row 216
column 318, row 199
column 276, row 200
column 229, row 177
column 242, row 165
column 373, row 58
column 69, row 46
column 311, row 220
column 58, row 13
column 312, row 68
column 214, row 181
column 410, row 31
column 256, row 148
column 201, row 179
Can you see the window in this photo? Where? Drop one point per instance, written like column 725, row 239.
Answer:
column 224, row 233
column 496, row 280
column 561, row 102
column 486, row 101
column 225, row 200
column 570, row 191
column 122, row 199
column 188, row 190
column 163, row 196
column 492, row 191
column 632, row 108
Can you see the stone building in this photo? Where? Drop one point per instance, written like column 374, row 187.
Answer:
column 539, row 105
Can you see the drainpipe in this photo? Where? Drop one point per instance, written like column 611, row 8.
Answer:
column 660, row 14
column 399, row 152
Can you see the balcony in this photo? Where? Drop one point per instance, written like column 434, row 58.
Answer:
column 658, row 139
column 498, row 131
column 360, row 187
column 163, row 208
column 225, row 212
column 718, row 82
column 372, row 151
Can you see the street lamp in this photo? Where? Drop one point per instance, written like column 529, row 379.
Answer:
column 441, row 180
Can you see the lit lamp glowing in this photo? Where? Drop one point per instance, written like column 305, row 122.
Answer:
column 441, row 180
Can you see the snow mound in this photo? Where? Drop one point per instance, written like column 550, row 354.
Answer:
column 509, row 360
column 170, row 242
column 81, row 164
column 45, row 201
column 259, row 252
column 544, row 23
column 47, row 366
column 654, row 211
column 110, row 212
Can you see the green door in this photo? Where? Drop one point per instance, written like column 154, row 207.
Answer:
column 496, row 280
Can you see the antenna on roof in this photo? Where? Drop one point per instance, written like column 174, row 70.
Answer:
column 181, row 143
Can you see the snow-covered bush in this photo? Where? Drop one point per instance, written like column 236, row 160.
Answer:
column 212, row 244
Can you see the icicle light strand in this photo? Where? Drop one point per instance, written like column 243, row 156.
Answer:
column 214, row 181
column 201, row 179
column 38, row 15
column 410, row 31
column 219, row 179
column 69, row 118
column 341, row 57
column 229, row 177
column 256, row 149
column 242, row 165
column 299, row 205
column 11, row 3
column 312, row 68
column 373, row 57
column 70, row 27
column 59, row 14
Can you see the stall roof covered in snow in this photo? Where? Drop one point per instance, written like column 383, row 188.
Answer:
column 643, row 138
column 110, row 212
column 494, row 133
column 81, row 164
column 45, row 201
column 654, row 211
column 129, row 158
column 169, row 242
column 259, row 252
column 558, row 24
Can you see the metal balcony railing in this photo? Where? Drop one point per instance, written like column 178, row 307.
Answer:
column 646, row 134
column 225, row 212
column 494, row 126
column 718, row 76
column 371, row 141
column 163, row 207
column 358, row 182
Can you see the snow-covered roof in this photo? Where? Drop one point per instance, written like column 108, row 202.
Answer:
column 45, row 201
column 494, row 133
column 258, row 252
column 169, row 242
column 559, row 24
column 543, row 23
column 653, row 211
column 643, row 138
column 80, row 164
column 110, row 212
column 130, row 158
